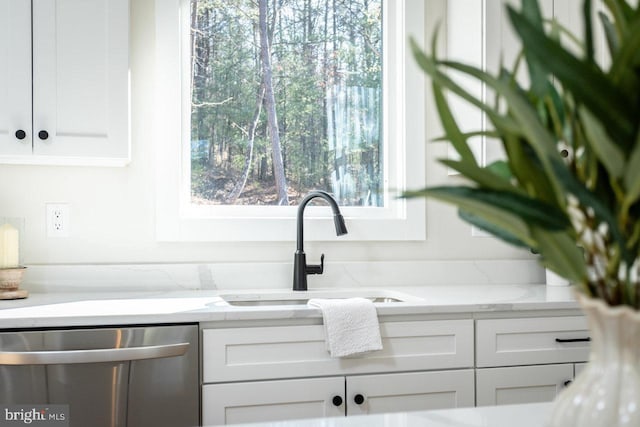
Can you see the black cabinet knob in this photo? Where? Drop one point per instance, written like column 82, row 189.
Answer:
column 43, row 134
column 359, row 399
column 20, row 134
column 567, row 383
column 337, row 400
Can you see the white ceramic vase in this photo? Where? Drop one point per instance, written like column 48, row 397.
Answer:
column 607, row 391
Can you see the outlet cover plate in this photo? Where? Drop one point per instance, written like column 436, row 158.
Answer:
column 57, row 219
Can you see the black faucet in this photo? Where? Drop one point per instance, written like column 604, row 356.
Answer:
column 300, row 267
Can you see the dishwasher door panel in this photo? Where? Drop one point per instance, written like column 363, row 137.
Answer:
column 96, row 393
column 23, row 384
column 109, row 377
column 171, row 385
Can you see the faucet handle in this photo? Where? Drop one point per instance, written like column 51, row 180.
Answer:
column 316, row 269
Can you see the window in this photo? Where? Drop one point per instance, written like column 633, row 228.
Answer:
column 345, row 114
column 286, row 97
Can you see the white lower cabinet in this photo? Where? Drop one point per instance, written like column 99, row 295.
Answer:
column 278, row 352
column 270, row 373
column 412, row 391
column 285, row 372
column 528, row 360
column 578, row 368
column 256, row 401
column 521, row 384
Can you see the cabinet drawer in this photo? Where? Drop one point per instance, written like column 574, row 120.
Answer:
column 530, row 341
column 299, row 351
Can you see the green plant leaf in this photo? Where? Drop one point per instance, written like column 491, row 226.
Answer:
column 526, row 167
column 491, row 228
column 560, row 254
column 537, row 74
column 502, row 219
column 632, row 175
column 588, row 199
column 624, row 67
column 556, row 110
column 478, row 201
column 428, row 65
column 501, row 168
column 484, row 177
column 608, row 153
column 585, row 81
column 588, row 31
column 472, row 134
column 620, row 15
column 524, row 122
column 525, row 115
column 610, row 34
column 454, row 135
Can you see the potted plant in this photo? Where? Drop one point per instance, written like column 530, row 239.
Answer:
column 568, row 187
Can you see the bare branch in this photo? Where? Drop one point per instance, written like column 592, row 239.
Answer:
column 211, row 104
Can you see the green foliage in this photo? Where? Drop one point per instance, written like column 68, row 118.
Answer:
column 569, row 188
column 322, row 54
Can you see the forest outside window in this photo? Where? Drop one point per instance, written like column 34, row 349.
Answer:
column 281, row 97
column 286, row 97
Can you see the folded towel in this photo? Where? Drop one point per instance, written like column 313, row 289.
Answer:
column 351, row 325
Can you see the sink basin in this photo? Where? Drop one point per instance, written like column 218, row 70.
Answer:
column 299, row 301
column 301, row 298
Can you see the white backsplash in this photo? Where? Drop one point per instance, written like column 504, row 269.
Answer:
column 163, row 277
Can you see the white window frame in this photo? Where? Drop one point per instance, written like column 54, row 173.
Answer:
column 404, row 124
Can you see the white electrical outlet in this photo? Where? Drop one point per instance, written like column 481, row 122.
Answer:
column 57, row 219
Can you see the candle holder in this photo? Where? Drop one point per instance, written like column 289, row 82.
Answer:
column 10, row 279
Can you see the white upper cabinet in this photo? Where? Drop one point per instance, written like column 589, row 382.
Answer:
column 15, row 77
column 480, row 33
column 80, row 71
column 502, row 43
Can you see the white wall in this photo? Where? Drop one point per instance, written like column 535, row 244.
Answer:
column 112, row 209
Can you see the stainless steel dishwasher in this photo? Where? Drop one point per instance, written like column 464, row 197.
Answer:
column 111, row 377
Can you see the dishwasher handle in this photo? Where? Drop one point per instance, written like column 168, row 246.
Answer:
column 63, row 357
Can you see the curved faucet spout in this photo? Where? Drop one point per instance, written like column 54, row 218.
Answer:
column 338, row 220
column 300, row 267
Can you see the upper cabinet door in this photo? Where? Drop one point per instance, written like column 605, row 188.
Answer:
column 15, row 77
column 502, row 43
column 81, row 81
column 570, row 15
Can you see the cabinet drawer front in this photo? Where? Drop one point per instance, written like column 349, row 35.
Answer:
column 300, row 351
column 263, row 401
column 528, row 341
column 522, row 384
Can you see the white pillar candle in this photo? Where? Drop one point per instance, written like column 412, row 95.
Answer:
column 9, row 252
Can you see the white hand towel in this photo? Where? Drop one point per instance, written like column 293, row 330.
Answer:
column 351, row 325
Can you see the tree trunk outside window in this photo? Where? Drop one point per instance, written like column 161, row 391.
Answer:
column 270, row 107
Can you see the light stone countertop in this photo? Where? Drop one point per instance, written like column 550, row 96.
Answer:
column 66, row 309
column 527, row 415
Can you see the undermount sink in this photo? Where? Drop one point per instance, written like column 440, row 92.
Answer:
column 301, row 298
column 299, row 301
